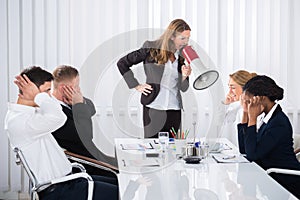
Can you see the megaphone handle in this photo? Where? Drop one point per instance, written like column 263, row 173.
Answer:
column 186, row 63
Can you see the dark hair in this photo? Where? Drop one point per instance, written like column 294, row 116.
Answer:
column 37, row 75
column 263, row 86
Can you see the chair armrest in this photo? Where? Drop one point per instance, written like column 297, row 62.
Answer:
column 68, row 178
column 297, row 150
column 91, row 162
column 72, row 177
column 78, row 166
column 63, row 179
column 283, row 171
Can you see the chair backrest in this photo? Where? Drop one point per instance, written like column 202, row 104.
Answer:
column 20, row 160
column 34, row 185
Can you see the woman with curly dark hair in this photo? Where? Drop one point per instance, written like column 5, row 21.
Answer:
column 269, row 143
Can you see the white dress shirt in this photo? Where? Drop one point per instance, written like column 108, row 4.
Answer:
column 61, row 102
column 167, row 96
column 29, row 129
column 233, row 116
column 262, row 118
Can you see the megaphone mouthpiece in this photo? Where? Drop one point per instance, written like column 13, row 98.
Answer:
column 189, row 54
column 206, row 77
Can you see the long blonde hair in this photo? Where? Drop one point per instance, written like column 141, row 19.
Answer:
column 165, row 45
column 241, row 77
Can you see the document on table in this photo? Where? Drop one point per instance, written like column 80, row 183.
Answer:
column 150, row 162
column 223, row 158
column 137, row 146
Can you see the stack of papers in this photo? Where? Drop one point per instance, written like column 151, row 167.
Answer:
column 137, row 146
column 223, row 158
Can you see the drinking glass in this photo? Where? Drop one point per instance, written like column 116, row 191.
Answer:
column 163, row 138
column 203, row 148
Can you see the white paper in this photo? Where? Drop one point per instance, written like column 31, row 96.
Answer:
column 225, row 158
column 136, row 146
column 144, row 163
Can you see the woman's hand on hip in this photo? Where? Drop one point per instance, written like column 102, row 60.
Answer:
column 144, row 88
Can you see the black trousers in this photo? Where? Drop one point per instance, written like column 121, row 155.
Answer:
column 104, row 188
column 160, row 121
column 289, row 182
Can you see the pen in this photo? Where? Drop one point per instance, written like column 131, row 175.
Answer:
column 174, row 130
column 228, row 157
column 172, row 133
column 187, row 133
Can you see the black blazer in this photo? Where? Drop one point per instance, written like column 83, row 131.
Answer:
column 76, row 134
column 152, row 70
column 271, row 146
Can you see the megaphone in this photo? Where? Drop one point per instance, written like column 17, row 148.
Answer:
column 206, row 77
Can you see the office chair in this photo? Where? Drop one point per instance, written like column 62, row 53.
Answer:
column 105, row 169
column 36, row 187
column 92, row 162
column 286, row 171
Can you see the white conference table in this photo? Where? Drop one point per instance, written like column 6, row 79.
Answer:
column 166, row 177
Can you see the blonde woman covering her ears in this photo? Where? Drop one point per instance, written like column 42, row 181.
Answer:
column 234, row 109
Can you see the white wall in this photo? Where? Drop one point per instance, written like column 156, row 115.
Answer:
column 260, row 36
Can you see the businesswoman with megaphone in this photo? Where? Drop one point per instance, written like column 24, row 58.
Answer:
column 166, row 77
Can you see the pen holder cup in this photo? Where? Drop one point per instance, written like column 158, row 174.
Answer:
column 180, row 145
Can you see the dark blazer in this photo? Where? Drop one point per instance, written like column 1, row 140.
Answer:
column 152, row 70
column 76, row 134
column 271, row 146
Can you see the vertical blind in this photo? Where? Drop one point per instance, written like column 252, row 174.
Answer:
column 259, row 36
